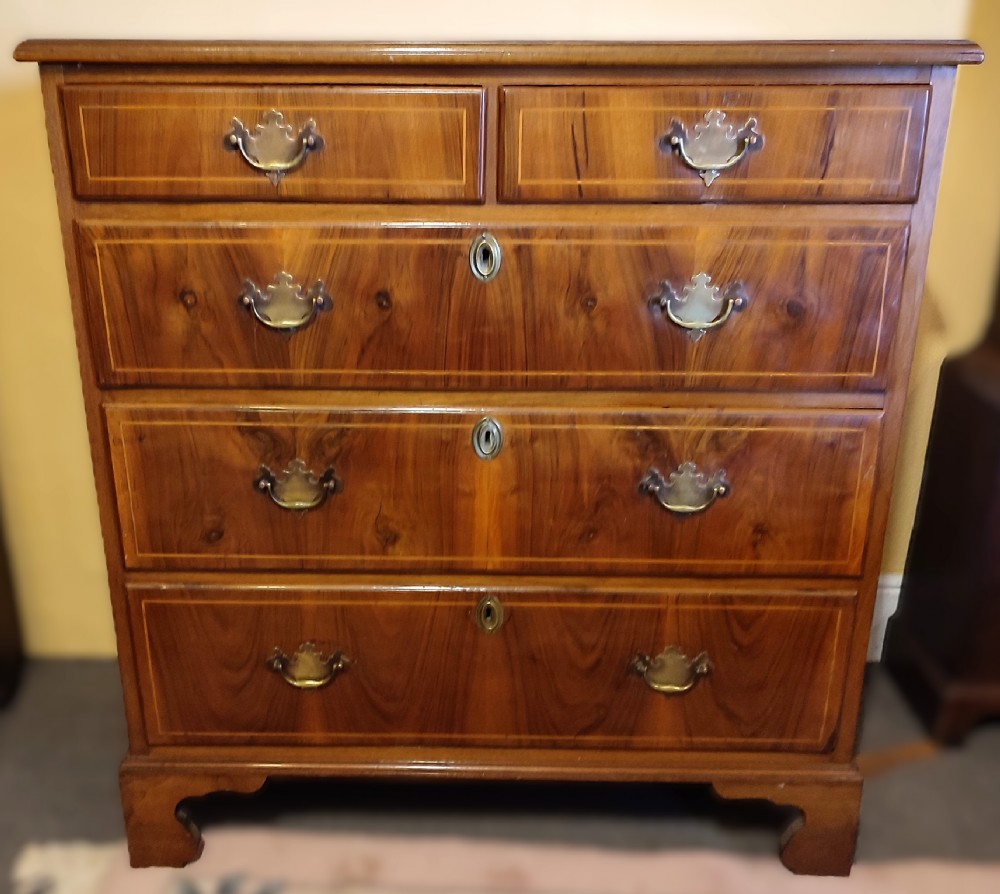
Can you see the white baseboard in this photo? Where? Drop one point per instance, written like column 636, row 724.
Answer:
column 885, row 606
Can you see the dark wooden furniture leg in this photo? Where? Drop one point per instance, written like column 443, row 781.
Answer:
column 941, row 646
column 11, row 654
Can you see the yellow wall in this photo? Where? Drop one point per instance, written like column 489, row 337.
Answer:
column 962, row 267
column 46, row 485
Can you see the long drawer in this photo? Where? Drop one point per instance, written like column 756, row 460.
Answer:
column 697, row 303
column 592, row 490
column 368, row 143
column 835, row 143
column 561, row 667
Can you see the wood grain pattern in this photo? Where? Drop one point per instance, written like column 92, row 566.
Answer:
column 897, row 390
column 830, row 144
column 570, row 307
column 382, row 144
column 554, row 674
column 160, row 831
column 511, row 54
column 800, row 397
column 561, row 495
column 822, row 839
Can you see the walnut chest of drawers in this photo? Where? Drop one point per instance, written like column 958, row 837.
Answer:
column 508, row 412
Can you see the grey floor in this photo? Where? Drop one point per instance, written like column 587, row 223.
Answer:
column 62, row 737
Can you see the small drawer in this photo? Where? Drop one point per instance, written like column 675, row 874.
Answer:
column 484, row 489
column 691, row 144
column 368, row 144
column 612, row 306
column 563, row 667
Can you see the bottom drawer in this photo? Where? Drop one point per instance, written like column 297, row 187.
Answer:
column 560, row 669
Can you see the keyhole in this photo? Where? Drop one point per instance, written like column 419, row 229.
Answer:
column 487, row 438
column 485, row 260
column 489, row 614
column 485, row 257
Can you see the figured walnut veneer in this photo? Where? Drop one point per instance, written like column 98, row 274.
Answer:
column 558, row 676
column 561, row 496
column 575, row 311
column 497, row 618
column 380, row 143
column 829, row 144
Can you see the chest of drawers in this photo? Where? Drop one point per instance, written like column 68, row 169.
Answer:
column 497, row 412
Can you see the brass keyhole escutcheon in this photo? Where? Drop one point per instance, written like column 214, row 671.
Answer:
column 485, row 257
column 487, row 438
column 489, row 614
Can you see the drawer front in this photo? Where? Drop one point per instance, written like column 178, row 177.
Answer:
column 586, row 491
column 556, row 672
column 571, row 306
column 817, row 144
column 378, row 143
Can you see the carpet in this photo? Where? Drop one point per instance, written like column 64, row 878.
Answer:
column 260, row 861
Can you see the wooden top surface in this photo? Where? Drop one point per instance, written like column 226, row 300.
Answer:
column 549, row 53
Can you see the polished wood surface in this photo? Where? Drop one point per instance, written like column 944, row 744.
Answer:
column 571, row 305
column 819, row 841
column 11, row 648
column 556, row 672
column 563, row 493
column 381, row 143
column 160, row 833
column 941, row 645
column 822, row 839
column 830, row 144
column 623, row 55
column 800, row 394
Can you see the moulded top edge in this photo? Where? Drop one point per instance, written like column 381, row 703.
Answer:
column 580, row 54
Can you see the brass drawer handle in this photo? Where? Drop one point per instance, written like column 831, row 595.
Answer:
column 671, row 672
column 685, row 491
column 307, row 668
column 272, row 147
column 297, row 488
column 715, row 146
column 700, row 306
column 283, row 305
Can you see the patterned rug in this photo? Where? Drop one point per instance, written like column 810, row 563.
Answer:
column 255, row 861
